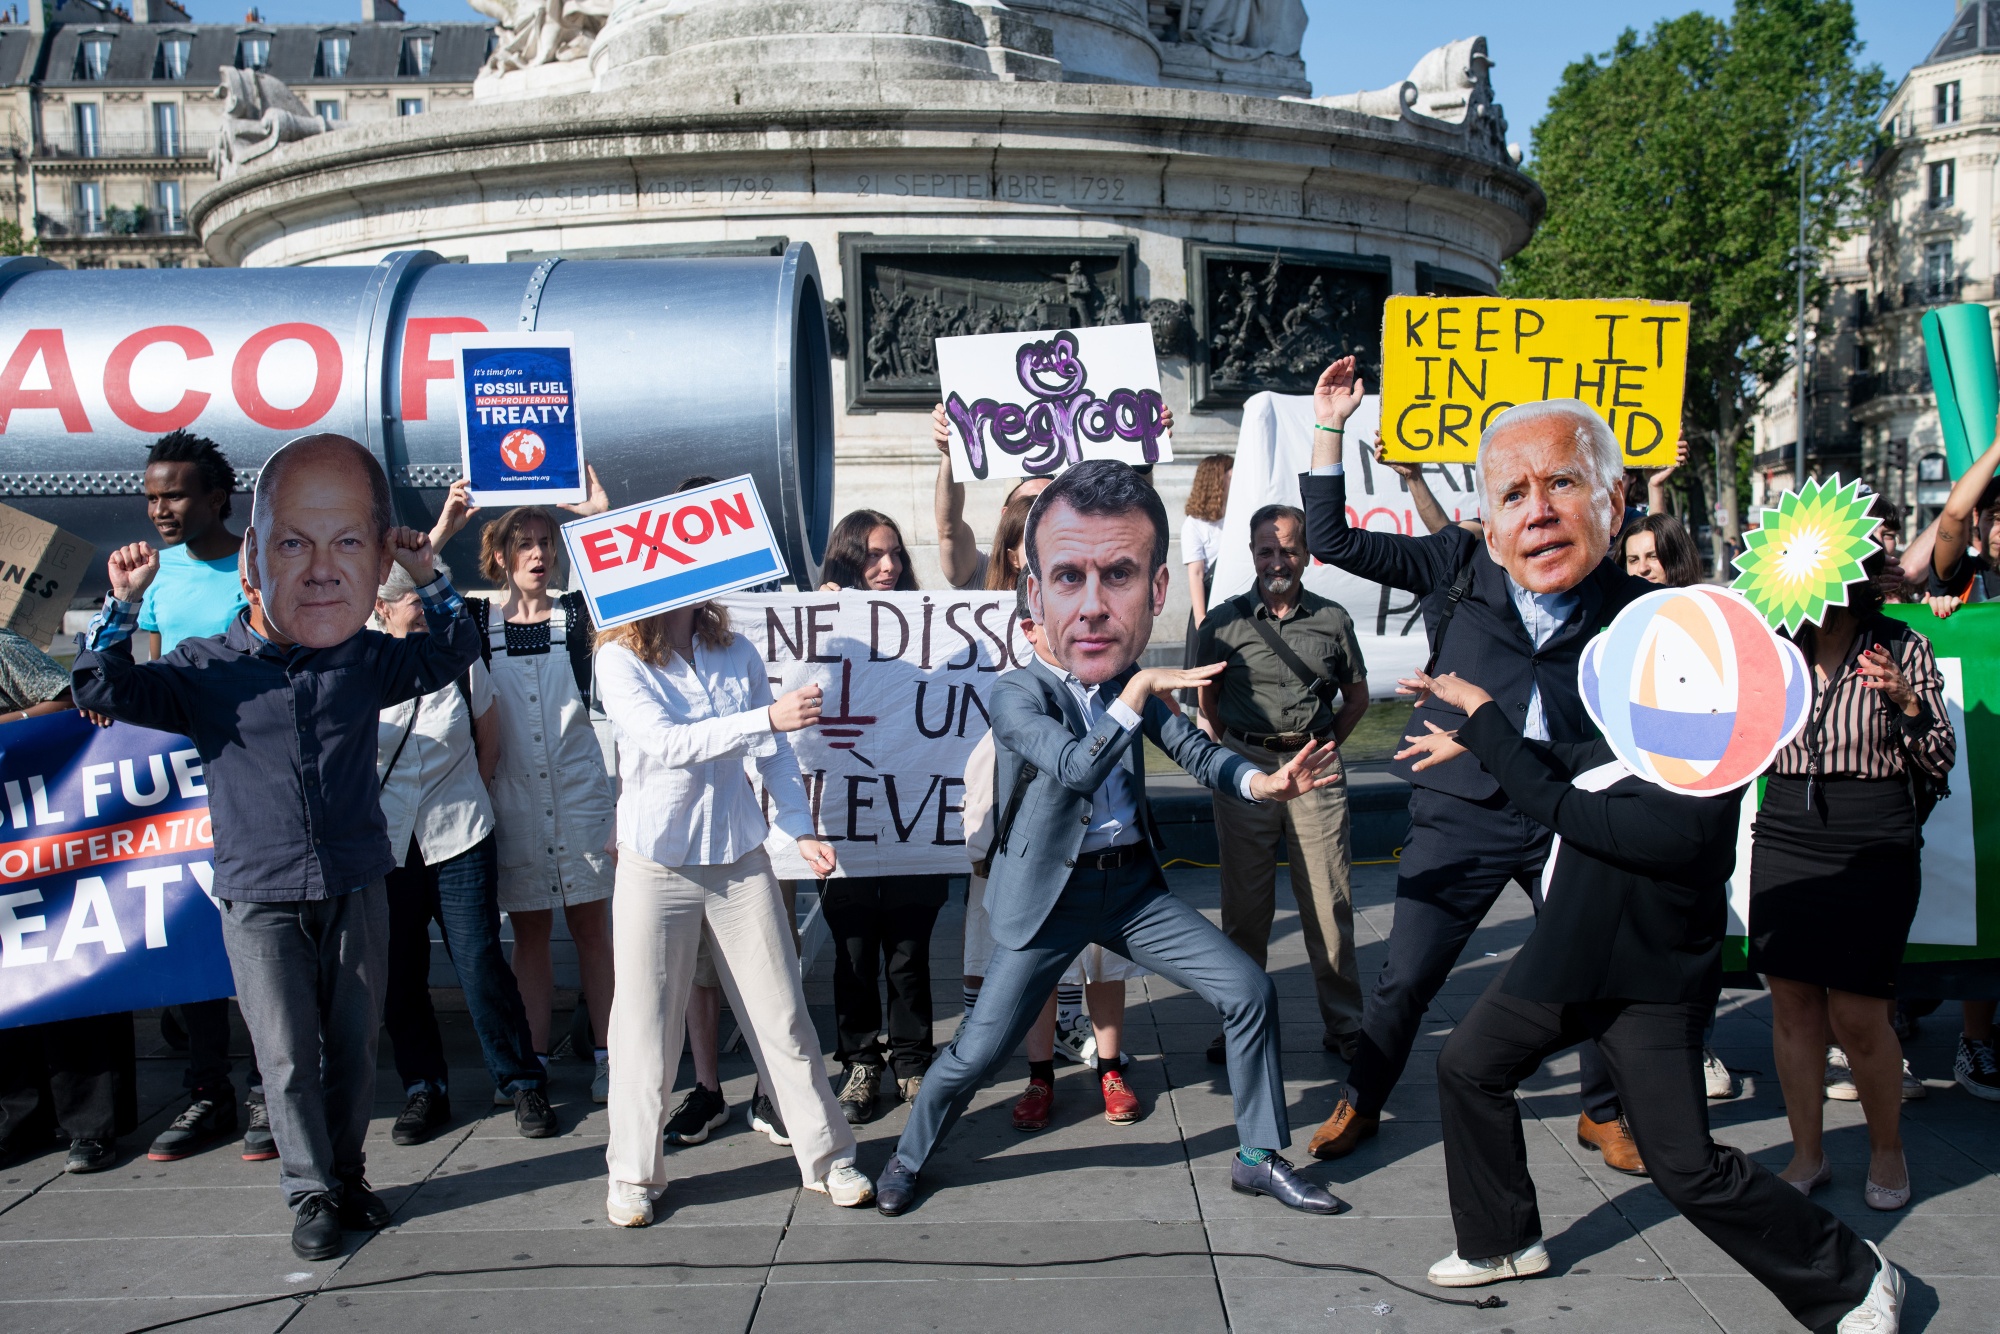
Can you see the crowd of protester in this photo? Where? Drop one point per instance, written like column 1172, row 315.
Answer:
column 487, row 776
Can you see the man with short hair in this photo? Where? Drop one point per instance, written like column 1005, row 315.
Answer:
column 283, row 711
column 1072, row 861
column 1287, row 656
column 197, row 593
column 1511, row 608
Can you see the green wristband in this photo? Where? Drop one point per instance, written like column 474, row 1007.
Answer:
column 1334, row 430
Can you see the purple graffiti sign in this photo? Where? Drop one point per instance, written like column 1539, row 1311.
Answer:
column 1048, row 415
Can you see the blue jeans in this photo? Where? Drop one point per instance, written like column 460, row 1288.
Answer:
column 462, row 894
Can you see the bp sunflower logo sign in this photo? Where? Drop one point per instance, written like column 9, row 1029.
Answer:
column 1803, row 555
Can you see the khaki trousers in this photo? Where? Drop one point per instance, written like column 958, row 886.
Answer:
column 1315, row 832
column 660, row 915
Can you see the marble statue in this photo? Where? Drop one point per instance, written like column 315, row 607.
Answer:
column 258, row 113
column 1246, row 29
column 541, row 32
column 1449, row 86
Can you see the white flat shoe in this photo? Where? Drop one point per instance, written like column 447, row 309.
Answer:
column 1882, row 1311
column 846, row 1186
column 1886, row 1199
column 627, row 1205
column 1453, row 1272
column 1820, row 1176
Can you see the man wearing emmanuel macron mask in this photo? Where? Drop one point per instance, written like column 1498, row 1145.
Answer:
column 1072, row 861
column 282, row 708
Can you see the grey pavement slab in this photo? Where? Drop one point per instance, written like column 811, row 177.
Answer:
column 1012, row 1231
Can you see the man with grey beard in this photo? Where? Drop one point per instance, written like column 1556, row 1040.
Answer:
column 1292, row 674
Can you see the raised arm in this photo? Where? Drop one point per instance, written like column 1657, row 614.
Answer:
column 104, row 679
column 419, row 664
column 1954, row 524
column 958, row 549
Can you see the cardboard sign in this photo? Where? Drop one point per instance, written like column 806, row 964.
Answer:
column 672, row 552
column 518, row 436
column 40, row 569
column 1030, row 405
column 105, row 866
column 1450, row 365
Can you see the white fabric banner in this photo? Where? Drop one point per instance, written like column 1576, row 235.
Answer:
column 1273, row 447
column 908, row 680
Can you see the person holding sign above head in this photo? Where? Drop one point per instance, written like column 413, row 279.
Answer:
column 880, row 923
column 283, row 710
column 552, row 805
column 1511, row 606
column 692, row 702
column 1071, row 863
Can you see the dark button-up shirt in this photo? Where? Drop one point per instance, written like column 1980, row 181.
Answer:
column 287, row 737
column 1257, row 694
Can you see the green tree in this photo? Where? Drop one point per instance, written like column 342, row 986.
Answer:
column 11, row 240
column 1672, row 168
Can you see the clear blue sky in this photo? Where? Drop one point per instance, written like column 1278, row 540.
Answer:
column 1356, row 44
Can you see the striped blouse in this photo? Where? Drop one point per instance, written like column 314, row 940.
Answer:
column 1855, row 732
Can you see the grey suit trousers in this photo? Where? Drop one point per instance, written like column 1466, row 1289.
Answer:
column 1127, row 910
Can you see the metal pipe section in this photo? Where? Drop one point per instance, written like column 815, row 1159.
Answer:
column 683, row 366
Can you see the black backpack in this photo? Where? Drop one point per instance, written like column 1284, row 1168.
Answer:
column 578, row 636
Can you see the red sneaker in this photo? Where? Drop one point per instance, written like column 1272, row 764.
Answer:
column 1032, row 1112
column 1121, row 1105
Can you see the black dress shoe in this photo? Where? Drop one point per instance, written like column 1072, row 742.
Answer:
column 1281, row 1181
column 533, row 1116
column 424, row 1115
column 316, row 1229
column 360, row 1208
column 896, row 1188
column 90, row 1155
column 1218, row 1050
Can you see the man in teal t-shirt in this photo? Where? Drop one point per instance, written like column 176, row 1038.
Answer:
column 198, row 593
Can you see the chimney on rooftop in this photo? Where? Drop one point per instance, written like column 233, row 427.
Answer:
column 158, row 11
column 381, row 11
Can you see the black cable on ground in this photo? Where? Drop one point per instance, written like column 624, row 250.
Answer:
column 304, row 1298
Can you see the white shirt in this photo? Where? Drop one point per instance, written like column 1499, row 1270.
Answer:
column 1200, row 541
column 434, row 792
column 1542, row 615
column 684, row 734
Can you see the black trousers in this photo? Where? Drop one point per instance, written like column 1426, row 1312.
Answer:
column 1461, row 854
column 1811, row 1261
column 882, row 924
column 76, row 1074
column 207, row 1025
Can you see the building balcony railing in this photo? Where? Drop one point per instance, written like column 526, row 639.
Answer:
column 1920, row 119
column 118, row 146
column 110, row 225
column 1869, row 385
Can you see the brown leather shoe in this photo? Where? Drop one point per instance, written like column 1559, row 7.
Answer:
column 1613, row 1139
column 1343, row 1132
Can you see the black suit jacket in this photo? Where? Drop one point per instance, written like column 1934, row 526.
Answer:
column 1486, row 642
column 1637, row 902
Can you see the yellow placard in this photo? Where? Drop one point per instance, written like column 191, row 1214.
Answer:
column 1450, row 365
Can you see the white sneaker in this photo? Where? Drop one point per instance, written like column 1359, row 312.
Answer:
column 1721, row 1084
column 847, row 1186
column 1078, row 1042
column 600, row 1083
column 501, row 1099
column 628, row 1205
column 1840, row 1079
column 1453, row 1272
column 1913, row 1088
column 1882, row 1312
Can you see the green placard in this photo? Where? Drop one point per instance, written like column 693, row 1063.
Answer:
column 1959, row 342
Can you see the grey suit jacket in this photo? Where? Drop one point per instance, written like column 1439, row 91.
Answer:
column 1036, row 722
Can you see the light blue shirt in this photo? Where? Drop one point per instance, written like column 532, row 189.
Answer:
column 1542, row 615
column 191, row 598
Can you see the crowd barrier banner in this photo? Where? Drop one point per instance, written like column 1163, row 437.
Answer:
column 673, row 552
column 1958, row 912
column 1452, row 364
column 105, row 869
column 908, row 681
column 1273, row 447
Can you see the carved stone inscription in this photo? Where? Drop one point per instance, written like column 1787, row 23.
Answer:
column 1273, row 319
column 903, row 294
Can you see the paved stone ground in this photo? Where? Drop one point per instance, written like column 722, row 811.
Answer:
column 150, row 1242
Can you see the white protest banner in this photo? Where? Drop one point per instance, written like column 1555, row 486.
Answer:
column 518, row 437
column 908, row 679
column 1273, row 447
column 1031, row 404
column 666, row 553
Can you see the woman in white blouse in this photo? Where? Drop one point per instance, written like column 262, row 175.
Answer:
column 691, row 703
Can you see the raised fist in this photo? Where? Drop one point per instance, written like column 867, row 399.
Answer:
column 132, row 568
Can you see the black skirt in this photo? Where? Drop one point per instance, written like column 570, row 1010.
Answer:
column 1833, row 888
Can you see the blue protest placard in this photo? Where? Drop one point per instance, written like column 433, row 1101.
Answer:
column 519, row 440
column 672, row 552
column 106, row 860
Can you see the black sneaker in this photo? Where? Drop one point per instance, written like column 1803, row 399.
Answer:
column 360, row 1208
column 701, row 1111
column 90, row 1155
column 533, row 1116
column 857, row 1096
column 1976, row 1069
column 423, row 1116
column 258, row 1145
column 316, row 1233
column 764, row 1118
column 1218, row 1050
column 206, row 1120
